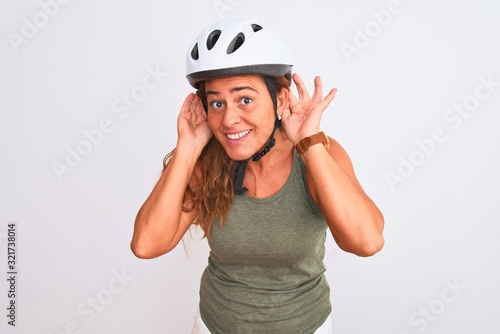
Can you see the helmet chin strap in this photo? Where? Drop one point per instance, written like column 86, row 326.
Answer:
column 239, row 173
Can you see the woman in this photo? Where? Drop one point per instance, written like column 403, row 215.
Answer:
column 253, row 170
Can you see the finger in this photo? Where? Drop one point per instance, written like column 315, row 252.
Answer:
column 200, row 111
column 292, row 100
column 187, row 102
column 194, row 104
column 301, row 88
column 318, row 89
column 185, row 113
column 194, row 111
column 331, row 94
column 286, row 114
column 326, row 101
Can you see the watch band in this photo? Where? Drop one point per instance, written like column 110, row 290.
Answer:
column 304, row 144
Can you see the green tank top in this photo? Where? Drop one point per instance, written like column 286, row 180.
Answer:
column 265, row 270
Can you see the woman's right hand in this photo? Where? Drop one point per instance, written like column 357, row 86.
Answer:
column 192, row 124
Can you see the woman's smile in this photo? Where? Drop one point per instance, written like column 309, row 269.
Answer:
column 236, row 137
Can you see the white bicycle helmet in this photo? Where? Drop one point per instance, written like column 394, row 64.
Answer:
column 237, row 47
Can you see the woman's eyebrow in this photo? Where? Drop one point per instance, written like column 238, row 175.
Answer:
column 232, row 90
column 237, row 89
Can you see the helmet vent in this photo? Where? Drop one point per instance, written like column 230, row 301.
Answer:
column 194, row 52
column 212, row 39
column 236, row 43
column 256, row 27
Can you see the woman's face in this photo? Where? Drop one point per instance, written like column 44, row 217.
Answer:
column 240, row 114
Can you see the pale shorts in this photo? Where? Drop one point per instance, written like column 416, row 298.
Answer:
column 200, row 327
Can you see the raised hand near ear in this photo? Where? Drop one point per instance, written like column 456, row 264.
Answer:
column 192, row 124
column 303, row 117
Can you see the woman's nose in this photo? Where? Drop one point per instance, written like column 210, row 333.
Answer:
column 231, row 116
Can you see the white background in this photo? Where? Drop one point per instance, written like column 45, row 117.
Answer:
column 397, row 88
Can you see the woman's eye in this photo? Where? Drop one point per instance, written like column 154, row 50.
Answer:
column 216, row 104
column 246, row 100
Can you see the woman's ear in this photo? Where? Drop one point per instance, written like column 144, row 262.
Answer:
column 282, row 99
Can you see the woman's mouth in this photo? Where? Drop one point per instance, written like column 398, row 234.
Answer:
column 237, row 136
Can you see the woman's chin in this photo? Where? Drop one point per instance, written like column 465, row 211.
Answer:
column 239, row 156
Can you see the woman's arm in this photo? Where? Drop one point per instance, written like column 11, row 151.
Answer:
column 161, row 222
column 354, row 220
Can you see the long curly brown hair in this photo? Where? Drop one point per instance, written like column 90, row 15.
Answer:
column 212, row 195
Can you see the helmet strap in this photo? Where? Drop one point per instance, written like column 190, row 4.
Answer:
column 242, row 164
column 239, row 175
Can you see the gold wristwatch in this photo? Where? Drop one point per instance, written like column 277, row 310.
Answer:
column 304, row 144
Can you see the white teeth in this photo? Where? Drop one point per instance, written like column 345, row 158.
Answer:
column 235, row 136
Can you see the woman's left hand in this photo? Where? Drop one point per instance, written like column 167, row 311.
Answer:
column 303, row 117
